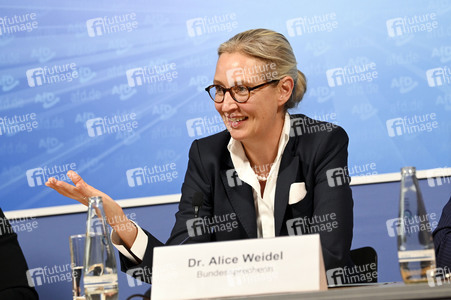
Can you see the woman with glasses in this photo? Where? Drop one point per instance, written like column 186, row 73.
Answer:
column 269, row 174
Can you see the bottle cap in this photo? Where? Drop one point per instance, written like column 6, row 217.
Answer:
column 408, row 170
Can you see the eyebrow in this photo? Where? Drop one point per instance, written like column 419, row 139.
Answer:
column 218, row 82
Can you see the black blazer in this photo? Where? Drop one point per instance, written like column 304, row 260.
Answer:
column 13, row 267
column 314, row 148
column 442, row 239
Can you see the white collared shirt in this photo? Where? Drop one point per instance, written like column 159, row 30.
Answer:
column 264, row 206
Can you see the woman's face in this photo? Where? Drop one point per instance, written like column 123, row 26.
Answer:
column 259, row 116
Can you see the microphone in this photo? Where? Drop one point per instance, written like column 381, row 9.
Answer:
column 198, row 199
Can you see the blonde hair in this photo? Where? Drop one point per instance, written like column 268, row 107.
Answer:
column 270, row 47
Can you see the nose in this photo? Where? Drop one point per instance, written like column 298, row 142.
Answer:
column 228, row 104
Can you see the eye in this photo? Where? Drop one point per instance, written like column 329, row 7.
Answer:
column 240, row 90
column 219, row 90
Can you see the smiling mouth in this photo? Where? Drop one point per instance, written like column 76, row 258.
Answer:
column 235, row 122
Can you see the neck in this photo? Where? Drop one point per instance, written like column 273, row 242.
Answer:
column 263, row 151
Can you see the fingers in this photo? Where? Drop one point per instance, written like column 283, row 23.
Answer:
column 79, row 192
column 76, row 179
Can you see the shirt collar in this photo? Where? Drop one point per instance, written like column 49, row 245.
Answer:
column 238, row 155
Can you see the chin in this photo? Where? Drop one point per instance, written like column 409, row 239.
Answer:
column 237, row 135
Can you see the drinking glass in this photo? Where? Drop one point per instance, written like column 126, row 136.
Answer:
column 77, row 252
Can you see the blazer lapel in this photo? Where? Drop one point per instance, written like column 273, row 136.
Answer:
column 288, row 173
column 242, row 200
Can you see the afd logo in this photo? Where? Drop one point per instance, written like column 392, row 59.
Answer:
column 135, row 177
column 137, row 276
column 35, row 77
column 95, row 127
column 7, row 82
column 438, row 76
column 197, row 227
column 337, row 177
column 135, row 77
column 35, row 177
column 35, row 277
column 232, row 178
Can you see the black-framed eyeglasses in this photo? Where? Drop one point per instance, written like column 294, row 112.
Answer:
column 239, row 93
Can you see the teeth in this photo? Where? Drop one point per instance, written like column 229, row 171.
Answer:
column 237, row 120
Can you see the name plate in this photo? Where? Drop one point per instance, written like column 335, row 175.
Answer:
column 239, row 268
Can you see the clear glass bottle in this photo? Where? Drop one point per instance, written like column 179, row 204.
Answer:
column 100, row 271
column 415, row 245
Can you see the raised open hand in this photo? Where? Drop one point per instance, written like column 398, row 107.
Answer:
column 80, row 191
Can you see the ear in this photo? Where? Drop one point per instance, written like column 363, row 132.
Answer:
column 285, row 86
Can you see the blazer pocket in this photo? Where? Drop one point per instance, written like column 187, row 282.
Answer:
column 297, row 192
